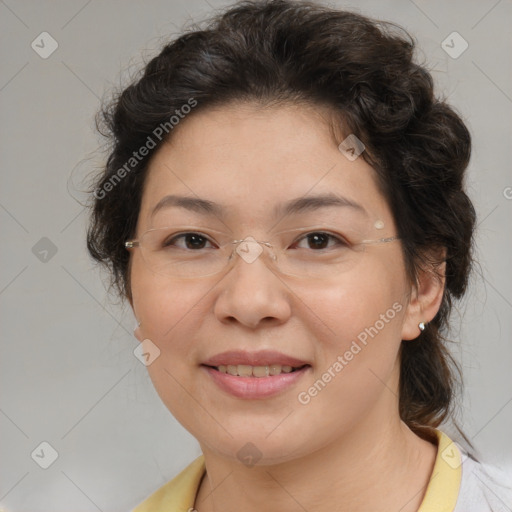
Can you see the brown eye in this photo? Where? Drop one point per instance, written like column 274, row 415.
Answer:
column 190, row 241
column 320, row 240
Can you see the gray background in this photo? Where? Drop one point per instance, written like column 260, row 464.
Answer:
column 68, row 375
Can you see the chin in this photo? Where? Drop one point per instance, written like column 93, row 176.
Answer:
column 254, row 446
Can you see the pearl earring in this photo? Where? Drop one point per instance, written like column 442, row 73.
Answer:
column 421, row 325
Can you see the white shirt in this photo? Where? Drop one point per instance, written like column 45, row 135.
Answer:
column 484, row 488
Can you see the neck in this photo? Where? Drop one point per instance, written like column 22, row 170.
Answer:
column 377, row 466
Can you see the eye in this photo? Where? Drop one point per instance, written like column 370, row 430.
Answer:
column 321, row 240
column 190, row 241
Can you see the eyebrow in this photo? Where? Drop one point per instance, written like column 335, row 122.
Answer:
column 193, row 204
column 293, row 206
column 311, row 203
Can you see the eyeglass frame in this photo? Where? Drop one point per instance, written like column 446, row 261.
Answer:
column 134, row 243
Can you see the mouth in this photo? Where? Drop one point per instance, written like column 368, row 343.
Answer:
column 260, row 371
column 255, row 375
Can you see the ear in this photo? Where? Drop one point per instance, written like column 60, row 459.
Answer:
column 137, row 332
column 426, row 297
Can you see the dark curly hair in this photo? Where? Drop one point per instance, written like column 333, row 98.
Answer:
column 282, row 51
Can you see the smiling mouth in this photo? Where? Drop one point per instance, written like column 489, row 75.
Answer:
column 245, row 370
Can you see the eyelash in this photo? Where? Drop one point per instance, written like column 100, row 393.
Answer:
column 339, row 240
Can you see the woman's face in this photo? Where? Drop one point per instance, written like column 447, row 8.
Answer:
column 343, row 329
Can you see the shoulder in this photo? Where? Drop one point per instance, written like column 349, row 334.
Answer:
column 459, row 483
column 179, row 494
column 484, row 488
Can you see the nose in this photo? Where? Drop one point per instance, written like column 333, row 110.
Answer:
column 252, row 294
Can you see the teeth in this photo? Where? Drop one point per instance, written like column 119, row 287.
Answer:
column 245, row 370
column 260, row 371
column 275, row 369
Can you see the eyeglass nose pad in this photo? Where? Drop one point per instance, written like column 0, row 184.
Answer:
column 249, row 249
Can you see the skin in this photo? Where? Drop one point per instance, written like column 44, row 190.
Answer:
column 347, row 449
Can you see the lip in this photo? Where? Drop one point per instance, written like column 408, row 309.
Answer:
column 255, row 388
column 260, row 358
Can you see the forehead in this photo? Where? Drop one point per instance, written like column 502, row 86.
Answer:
column 250, row 159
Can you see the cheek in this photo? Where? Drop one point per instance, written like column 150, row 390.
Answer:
column 358, row 350
column 169, row 312
column 170, row 315
column 373, row 298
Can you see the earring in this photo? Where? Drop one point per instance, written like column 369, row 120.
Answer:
column 136, row 327
column 421, row 325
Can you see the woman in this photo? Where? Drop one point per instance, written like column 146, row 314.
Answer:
column 284, row 210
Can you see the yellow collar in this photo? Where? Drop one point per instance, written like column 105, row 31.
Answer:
column 180, row 493
column 444, row 484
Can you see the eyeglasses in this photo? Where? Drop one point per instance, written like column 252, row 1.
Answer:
column 311, row 253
